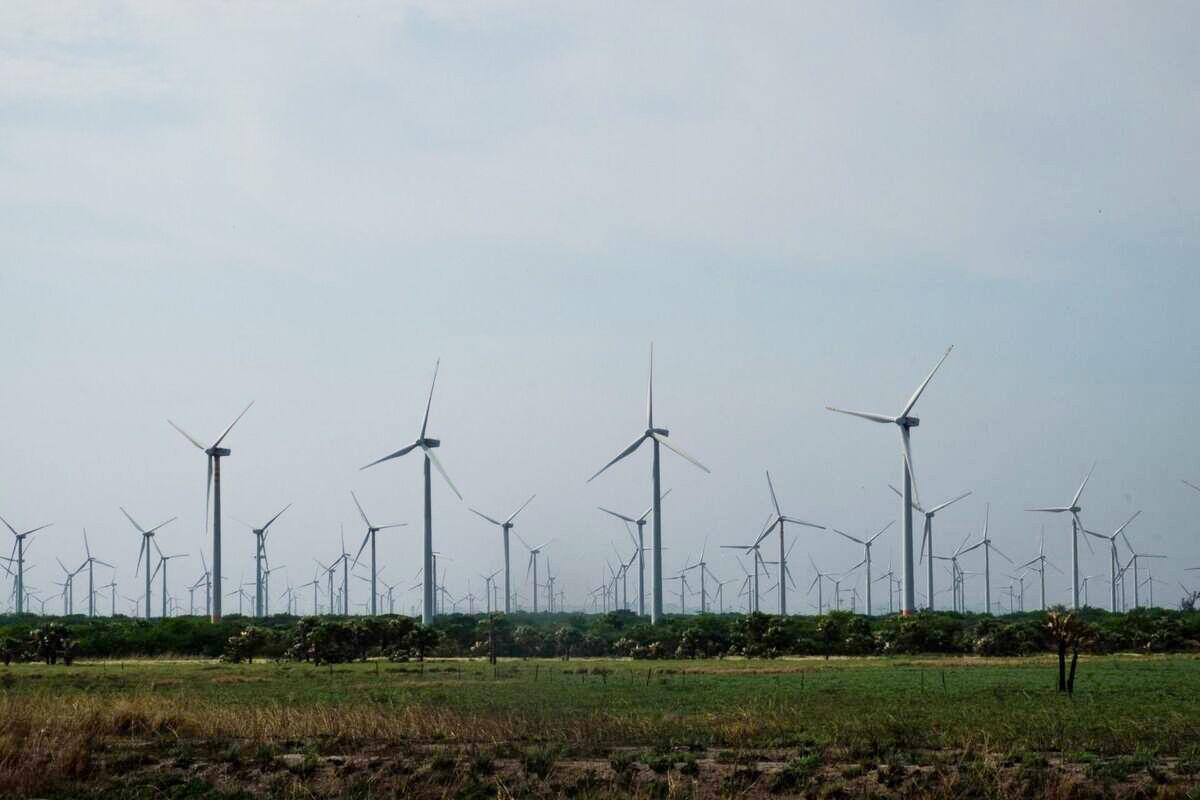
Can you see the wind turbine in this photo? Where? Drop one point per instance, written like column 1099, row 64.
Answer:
column 866, row 555
column 371, row 531
column 906, row 423
column 641, row 545
column 656, row 436
column 779, row 520
column 1042, row 562
column 162, row 564
column 267, row 586
column 505, row 527
column 927, row 536
column 986, row 544
column 702, row 565
column 213, row 491
column 1134, row 556
column 260, row 555
column 206, row 579
column 147, row 538
column 427, row 446
column 1076, row 526
column 749, row 549
column 19, row 551
column 533, row 554
column 488, row 580
column 90, row 562
column 1114, row 560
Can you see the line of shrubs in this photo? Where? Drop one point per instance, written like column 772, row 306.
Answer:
column 621, row 633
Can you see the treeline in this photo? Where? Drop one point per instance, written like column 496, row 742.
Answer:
column 619, row 634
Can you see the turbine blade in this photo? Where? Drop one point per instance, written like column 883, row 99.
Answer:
column 186, row 435
column 908, row 461
column 425, row 420
column 936, row 509
column 389, row 457
column 865, row 415
column 848, row 536
column 636, row 444
column 485, row 516
column 441, row 469
column 513, row 515
column 131, row 520
column 774, row 499
column 161, row 524
column 912, row 401
column 614, row 513
column 225, row 433
column 1189, row 483
column 358, row 505
column 1049, row 510
column 658, row 437
column 881, row 531
column 277, row 516
column 795, row 521
column 362, row 547
column 1088, row 477
column 1121, row 530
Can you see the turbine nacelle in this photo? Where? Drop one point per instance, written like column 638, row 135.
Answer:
column 908, row 422
column 218, row 452
column 659, row 431
column 424, row 442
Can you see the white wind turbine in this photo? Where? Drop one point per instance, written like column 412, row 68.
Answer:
column 779, row 520
column 753, row 549
column 91, row 562
column 988, row 547
column 533, row 554
column 1113, row 560
column 927, row 537
column 260, row 556
column 19, row 551
column 427, row 446
column 656, row 436
column 641, row 545
column 906, row 423
column 1076, row 526
column 505, row 527
column 1134, row 556
column 866, row 543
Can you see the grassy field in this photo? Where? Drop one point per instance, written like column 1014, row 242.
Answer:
column 810, row 727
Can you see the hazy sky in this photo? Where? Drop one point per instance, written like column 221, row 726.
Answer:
column 800, row 204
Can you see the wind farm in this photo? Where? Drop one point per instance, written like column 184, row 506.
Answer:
column 681, row 402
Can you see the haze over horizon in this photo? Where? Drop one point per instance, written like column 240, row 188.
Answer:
column 800, row 206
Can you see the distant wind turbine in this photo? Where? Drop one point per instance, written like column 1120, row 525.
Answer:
column 866, row 543
column 505, row 527
column 778, row 521
column 1076, row 526
column 370, row 537
column 147, row 538
column 19, row 551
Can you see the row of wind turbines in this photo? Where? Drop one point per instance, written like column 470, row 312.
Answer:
column 657, row 437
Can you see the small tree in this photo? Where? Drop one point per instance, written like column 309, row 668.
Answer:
column 422, row 639
column 1068, row 632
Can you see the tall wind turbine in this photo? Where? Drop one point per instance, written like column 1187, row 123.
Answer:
column 927, row 537
column 260, row 555
column 19, row 551
column 906, row 423
column 656, row 436
column 505, row 527
column 427, row 446
column 1113, row 560
column 91, row 562
column 752, row 549
column 213, row 491
column 1076, row 526
column 162, row 564
column 371, row 531
column 986, row 544
column 866, row 543
column 147, row 538
column 779, row 520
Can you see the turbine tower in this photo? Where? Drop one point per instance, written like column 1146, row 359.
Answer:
column 1076, row 526
column 1042, row 562
column 906, row 423
column 427, row 446
column 19, row 551
column 213, row 491
column 657, row 436
column 505, row 527
column 779, row 520
column 371, row 531
column 533, row 554
column 147, row 538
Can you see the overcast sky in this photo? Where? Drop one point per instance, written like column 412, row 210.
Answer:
column 800, row 204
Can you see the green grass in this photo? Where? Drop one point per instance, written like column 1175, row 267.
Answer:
column 1129, row 715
